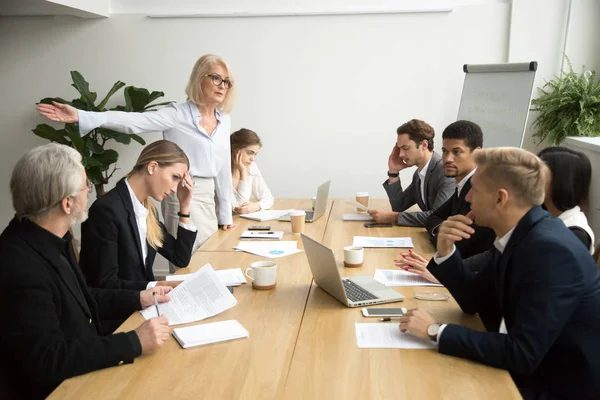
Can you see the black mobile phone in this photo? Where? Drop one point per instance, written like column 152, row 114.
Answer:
column 376, row 225
column 259, row 228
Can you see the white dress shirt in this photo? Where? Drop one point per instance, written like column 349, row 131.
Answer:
column 141, row 215
column 500, row 245
column 209, row 154
column 422, row 175
column 460, row 185
column 253, row 189
column 574, row 217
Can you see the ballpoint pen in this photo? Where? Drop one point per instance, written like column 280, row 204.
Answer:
column 388, row 319
column 156, row 303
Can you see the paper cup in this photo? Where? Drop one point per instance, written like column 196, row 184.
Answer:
column 353, row 256
column 298, row 218
column 362, row 198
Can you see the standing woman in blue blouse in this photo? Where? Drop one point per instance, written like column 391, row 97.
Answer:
column 200, row 126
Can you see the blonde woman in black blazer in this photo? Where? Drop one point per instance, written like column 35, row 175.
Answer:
column 115, row 252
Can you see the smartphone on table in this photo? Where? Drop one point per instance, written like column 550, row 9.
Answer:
column 259, row 228
column 383, row 312
column 376, row 225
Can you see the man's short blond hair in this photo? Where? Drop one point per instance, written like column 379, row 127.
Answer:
column 520, row 172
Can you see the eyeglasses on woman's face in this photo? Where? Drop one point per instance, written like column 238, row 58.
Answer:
column 218, row 80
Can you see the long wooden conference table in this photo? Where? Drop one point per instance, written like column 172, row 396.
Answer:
column 302, row 342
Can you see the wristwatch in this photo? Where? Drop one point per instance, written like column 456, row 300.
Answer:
column 432, row 331
column 393, row 174
column 183, row 215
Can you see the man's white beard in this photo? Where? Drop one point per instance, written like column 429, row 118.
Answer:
column 78, row 217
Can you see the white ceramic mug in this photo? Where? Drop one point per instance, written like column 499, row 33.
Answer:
column 263, row 275
column 353, row 256
column 314, row 202
column 298, row 218
column 362, row 198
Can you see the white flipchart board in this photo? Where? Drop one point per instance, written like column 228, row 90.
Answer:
column 497, row 98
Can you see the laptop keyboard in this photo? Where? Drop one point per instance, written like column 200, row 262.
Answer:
column 356, row 293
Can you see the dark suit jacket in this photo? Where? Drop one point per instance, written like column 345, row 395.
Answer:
column 480, row 241
column 51, row 320
column 111, row 252
column 547, row 288
column 438, row 189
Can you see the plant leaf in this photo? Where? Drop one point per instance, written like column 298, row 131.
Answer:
column 136, row 99
column 106, row 158
column 90, row 162
column 94, row 147
column 149, row 107
column 49, row 100
column 118, row 85
column 137, row 138
column 155, row 95
column 118, row 136
column 45, row 131
column 83, row 87
column 94, row 174
column 76, row 139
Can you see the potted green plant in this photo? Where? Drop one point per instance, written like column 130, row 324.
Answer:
column 100, row 163
column 569, row 105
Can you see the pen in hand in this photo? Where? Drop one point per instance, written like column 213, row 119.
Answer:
column 156, row 304
column 388, row 319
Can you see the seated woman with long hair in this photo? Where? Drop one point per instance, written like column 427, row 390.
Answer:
column 122, row 235
column 567, row 190
column 250, row 191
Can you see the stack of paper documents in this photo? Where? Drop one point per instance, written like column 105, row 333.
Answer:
column 371, row 241
column 198, row 335
column 388, row 336
column 357, row 217
column 265, row 215
column 200, row 296
column 269, row 249
column 230, row 277
column 262, row 235
column 392, row 277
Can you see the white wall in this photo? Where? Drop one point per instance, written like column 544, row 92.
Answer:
column 325, row 93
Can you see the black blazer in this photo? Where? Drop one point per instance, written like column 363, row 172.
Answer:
column 51, row 320
column 547, row 287
column 480, row 241
column 438, row 188
column 111, row 252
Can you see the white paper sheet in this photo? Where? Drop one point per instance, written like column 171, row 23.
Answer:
column 269, row 249
column 230, row 277
column 357, row 217
column 372, row 241
column 388, row 336
column 265, row 215
column 357, row 205
column 198, row 335
column 198, row 297
column 393, row 277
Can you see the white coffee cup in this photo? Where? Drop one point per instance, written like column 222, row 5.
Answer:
column 314, row 202
column 362, row 198
column 353, row 256
column 298, row 218
column 263, row 275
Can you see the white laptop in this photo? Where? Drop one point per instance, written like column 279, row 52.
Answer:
column 320, row 204
column 356, row 291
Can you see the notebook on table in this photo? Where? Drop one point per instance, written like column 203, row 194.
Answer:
column 199, row 335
